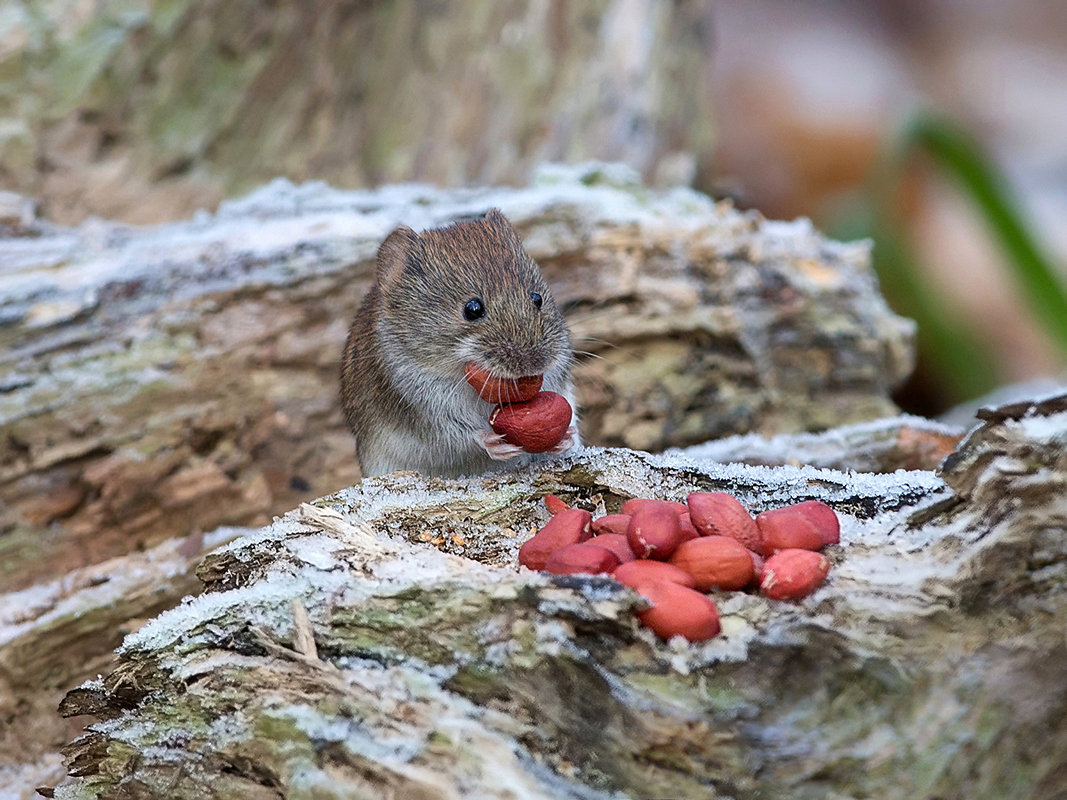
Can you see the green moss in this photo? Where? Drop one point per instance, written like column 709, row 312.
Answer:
column 166, row 14
column 438, row 739
column 397, row 627
column 495, row 502
column 79, row 63
column 477, row 682
column 19, row 545
column 284, row 736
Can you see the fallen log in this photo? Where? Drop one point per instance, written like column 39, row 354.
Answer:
column 381, row 642
column 162, row 380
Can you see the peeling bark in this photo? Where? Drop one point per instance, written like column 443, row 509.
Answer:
column 60, row 633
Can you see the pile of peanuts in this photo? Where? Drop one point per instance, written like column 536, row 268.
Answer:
column 672, row 553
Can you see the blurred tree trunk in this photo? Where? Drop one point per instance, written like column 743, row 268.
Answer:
column 145, row 111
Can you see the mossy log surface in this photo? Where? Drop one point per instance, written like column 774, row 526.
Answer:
column 382, row 643
column 157, row 383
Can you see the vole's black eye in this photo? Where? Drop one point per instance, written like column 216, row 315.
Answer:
column 473, row 309
column 536, row 299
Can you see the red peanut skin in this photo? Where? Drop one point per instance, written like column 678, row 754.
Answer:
column 689, row 531
column 823, row 518
column 715, row 562
column 570, row 526
column 757, row 567
column 612, row 523
column 798, row 527
column 630, row 506
column 721, row 514
column 634, row 573
column 792, row 574
column 654, row 532
column 614, row 542
column 574, row 559
column 554, row 504
column 536, row 425
column 493, row 389
column 678, row 611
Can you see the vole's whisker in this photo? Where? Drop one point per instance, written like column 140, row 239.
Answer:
column 587, row 353
column 454, row 390
column 595, row 340
column 593, row 315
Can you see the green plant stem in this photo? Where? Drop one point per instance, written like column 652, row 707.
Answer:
column 956, row 154
column 947, row 345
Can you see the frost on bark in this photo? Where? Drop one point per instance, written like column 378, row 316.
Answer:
column 381, row 643
column 163, row 380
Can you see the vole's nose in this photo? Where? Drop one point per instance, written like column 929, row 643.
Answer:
column 523, row 358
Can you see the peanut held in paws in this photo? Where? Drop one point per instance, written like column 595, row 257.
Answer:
column 536, row 425
column 501, row 390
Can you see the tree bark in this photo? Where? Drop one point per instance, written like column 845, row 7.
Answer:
column 54, row 636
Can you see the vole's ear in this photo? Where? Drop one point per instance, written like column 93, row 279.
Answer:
column 495, row 218
column 400, row 249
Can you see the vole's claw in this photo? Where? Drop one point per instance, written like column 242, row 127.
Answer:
column 569, row 440
column 496, row 447
column 499, row 450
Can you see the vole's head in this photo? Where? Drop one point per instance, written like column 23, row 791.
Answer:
column 469, row 292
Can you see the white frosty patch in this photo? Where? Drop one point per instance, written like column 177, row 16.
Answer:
column 783, row 448
column 100, row 585
column 264, row 603
column 1049, row 430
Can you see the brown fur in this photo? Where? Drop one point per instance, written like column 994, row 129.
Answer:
column 402, row 386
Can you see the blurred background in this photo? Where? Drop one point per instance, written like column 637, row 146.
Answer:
column 937, row 127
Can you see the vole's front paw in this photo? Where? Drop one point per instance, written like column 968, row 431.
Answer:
column 496, row 447
column 569, row 440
